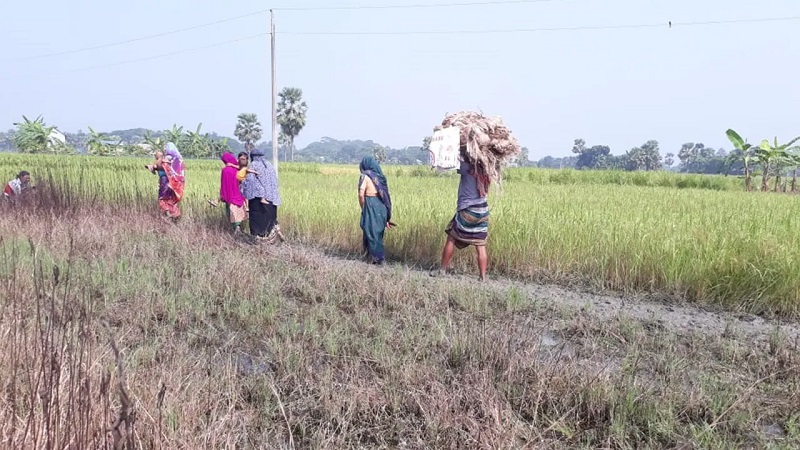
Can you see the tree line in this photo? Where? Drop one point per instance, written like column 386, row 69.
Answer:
column 690, row 158
column 37, row 136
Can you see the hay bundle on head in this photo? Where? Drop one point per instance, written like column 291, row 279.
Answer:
column 485, row 142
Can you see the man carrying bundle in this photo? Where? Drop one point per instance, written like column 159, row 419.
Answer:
column 485, row 147
column 470, row 225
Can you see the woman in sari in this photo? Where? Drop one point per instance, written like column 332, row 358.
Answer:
column 170, row 193
column 229, row 192
column 376, row 208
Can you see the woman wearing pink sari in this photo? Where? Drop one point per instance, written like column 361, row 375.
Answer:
column 230, row 194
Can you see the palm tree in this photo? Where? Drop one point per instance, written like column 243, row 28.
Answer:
column 33, row 136
column 248, row 130
column 291, row 114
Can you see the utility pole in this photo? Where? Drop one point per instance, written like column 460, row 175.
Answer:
column 274, row 93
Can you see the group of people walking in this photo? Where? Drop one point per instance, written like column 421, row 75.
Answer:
column 468, row 227
column 249, row 189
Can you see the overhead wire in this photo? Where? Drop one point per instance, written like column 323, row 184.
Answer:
column 264, row 11
column 411, row 6
column 140, row 38
column 668, row 24
column 162, row 55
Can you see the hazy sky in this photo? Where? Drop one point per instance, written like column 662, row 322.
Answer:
column 618, row 87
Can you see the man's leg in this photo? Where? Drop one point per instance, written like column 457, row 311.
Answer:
column 447, row 253
column 483, row 260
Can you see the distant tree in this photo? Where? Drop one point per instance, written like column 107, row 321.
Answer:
column 669, row 159
column 32, row 136
column 77, row 140
column 596, row 157
column 97, row 143
column 248, row 130
column 379, row 153
column 646, row 157
column 550, row 162
column 579, row 146
column 283, row 144
column 7, row 139
column 291, row 114
column 522, row 159
column 426, row 144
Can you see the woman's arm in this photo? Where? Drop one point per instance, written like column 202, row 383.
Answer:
column 362, row 192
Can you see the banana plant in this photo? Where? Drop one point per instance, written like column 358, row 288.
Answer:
column 156, row 143
column 32, row 136
column 745, row 153
column 771, row 157
column 96, row 144
column 195, row 143
column 794, row 159
column 175, row 135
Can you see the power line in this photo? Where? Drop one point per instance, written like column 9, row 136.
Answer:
column 164, row 55
column 532, row 30
column 411, row 32
column 137, row 39
column 413, row 6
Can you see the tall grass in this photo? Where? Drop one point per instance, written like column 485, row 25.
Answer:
column 121, row 331
column 631, row 232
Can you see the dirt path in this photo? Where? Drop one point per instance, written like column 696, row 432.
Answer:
column 676, row 318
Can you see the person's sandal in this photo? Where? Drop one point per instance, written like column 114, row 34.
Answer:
column 440, row 272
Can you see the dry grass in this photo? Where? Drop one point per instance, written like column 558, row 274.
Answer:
column 223, row 344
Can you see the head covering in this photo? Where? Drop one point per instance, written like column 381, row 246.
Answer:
column 370, row 168
column 256, row 153
column 174, row 169
column 228, row 185
column 229, row 158
column 177, row 159
column 263, row 183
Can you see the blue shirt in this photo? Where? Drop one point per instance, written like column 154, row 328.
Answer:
column 468, row 194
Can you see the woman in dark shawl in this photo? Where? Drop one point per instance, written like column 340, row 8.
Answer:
column 260, row 188
column 376, row 207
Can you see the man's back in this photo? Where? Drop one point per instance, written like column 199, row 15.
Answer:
column 468, row 194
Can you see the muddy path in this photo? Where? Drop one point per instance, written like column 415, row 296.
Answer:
column 669, row 315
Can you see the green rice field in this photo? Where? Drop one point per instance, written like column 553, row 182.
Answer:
column 697, row 237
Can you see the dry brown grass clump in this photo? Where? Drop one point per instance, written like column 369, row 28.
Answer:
column 122, row 330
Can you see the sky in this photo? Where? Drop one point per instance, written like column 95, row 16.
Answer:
column 618, row 87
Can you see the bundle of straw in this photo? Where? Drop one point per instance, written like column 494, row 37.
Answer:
column 486, row 143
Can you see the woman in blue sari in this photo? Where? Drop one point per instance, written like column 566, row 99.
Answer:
column 376, row 207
